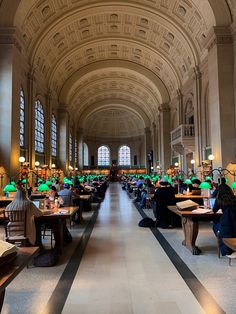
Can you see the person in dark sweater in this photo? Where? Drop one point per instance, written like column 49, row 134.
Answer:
column 226, row 227
column 163, row 197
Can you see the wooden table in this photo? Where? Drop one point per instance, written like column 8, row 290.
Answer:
column 190, row 225
column 60, row 218
column 196, row 198
column 10, row 270
column 4, row 201
column 230, row 242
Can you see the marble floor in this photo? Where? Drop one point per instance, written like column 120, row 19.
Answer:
column 114, row 266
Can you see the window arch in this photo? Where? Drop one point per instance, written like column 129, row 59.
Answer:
column 54, row 136
column 85, row 154
column 103, row 156
column 124, row 156
column 22, row 118
column 39, row 127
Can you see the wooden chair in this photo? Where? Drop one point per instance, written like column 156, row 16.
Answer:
column 15, row 227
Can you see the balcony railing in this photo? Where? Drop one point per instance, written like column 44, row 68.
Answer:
column 183, row 131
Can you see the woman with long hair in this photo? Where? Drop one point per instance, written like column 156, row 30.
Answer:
column 21, row 202
column 226, row 227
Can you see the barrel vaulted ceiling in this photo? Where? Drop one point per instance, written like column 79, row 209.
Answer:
column 129, row 54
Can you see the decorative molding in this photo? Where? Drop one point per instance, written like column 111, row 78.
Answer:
column 165, row 107
column 10, row 36
column 218, row 36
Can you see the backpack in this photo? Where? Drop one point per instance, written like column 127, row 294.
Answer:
column 147, row 222
column 46, row 258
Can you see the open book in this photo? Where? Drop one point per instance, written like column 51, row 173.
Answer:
column 7, row 248
column 187, row 205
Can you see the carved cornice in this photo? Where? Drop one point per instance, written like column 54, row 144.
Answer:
column 218, row 36
column 11, row 36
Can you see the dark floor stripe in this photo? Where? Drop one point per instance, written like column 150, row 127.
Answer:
column 62, row 289
column 204, row 298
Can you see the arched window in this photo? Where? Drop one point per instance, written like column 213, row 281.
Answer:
column 124, row 156
column 54, row 136
column 76, row 151
column 70, row 148
column 103, row 156
column 39, row 127
column 22, row 118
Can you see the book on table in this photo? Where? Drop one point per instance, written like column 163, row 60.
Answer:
column 187, row 205
column 7, row 248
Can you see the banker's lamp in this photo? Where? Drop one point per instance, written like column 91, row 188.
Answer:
column 48, row 182
column 9, row 188
column 43, row 187
column 205, row 185
column 188, row 181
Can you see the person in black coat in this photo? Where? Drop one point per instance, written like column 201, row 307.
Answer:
column 226, row 227
column 163, row 197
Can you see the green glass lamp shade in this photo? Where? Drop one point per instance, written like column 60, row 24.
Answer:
column 65, row 180
column 48, row 182
column 53, row 179
column 169, row 180
column 205, row 185
column 208, row 178
column 193, row 178
column 40, row 181
column 43, row 187
column 233, row 185
column 69, row 182
column 13, row 183
column 188, row 181
column 180, row 177
column 9, row 188
column 23, row 181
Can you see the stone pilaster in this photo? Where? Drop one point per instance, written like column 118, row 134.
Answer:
column 165, row 148
column 48, row 122
column 80, row 148
column 10, row 54
column 221, row 95
column 197, row 96
column 63, row 128
column 148, row 144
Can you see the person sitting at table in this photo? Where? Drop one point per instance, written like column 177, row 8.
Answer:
column 163, row 197
column 52, row 193
column 21, row 202
column 226, row 227
column 67, row 195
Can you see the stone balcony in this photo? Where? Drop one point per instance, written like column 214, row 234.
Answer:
column 183, row 138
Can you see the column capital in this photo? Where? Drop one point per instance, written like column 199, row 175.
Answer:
column 165, row 107
column 218, row 35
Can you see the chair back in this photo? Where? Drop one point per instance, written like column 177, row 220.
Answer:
column 15, row 227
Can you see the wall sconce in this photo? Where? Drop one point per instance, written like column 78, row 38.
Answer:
column 176, row 164
column 192, row 162
column 22, row 160
column 37, row 163
column 211, row 158
column 53, row 166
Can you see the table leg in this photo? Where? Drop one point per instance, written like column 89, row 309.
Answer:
column 2, row 295
column 190, row 228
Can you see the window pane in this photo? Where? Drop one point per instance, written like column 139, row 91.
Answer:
column 54, row 136
column 124, row 156
column 22, row 118
column 39, row 127
column 103, row 156
column 70, row 148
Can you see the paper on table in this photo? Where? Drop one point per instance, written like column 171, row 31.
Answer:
column 201, row 210
column 219, row 211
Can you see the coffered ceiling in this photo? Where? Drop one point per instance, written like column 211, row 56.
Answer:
column 135, row 53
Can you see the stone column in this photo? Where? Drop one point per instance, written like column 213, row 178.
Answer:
column 148, row 144
column 197, row 96
column 165, row 135
column 154, row 145
column 80, row 148
column 10, row 56
column 30, row 133
column 63, row 119
column 221, row 96
column 180, row 106
column 48, row 121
